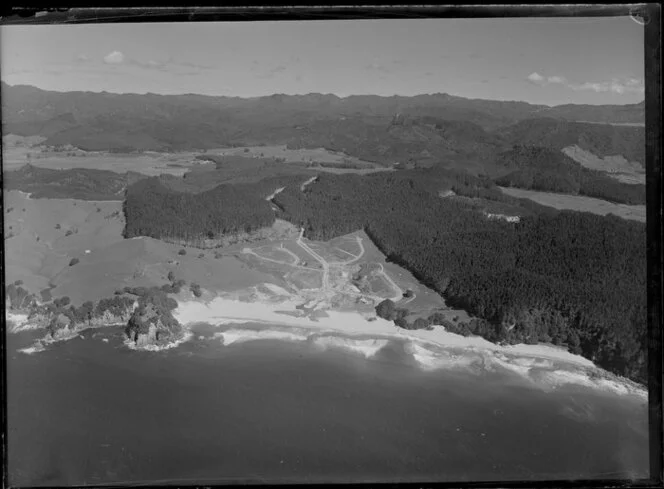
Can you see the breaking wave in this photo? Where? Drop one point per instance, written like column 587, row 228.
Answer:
column 238, row 335
column 431, row 358
column 541, row 373
column 36, row 348
column 186, row 336
column 365, row 347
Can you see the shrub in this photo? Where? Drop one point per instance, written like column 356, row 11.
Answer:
column 69, row 232
column 196, row 289
column 201, row 255
column 402, row 323
column 73, row 262
column 385, row 310
column 420, row 323
column 182, row 252
column 61, row 301
column 171, row 276
column 57, row 226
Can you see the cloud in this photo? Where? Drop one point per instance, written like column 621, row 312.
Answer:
column 377, row 67
column 270, row 73
column 616, row 85
column 557, row 79
column 114, row 58
column 619, row 86
column 536, row 78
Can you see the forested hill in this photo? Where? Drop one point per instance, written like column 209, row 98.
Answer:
column 569, row 278
column 423, row 129
column 153, row 209
column 544, row 169
column 75, row 183
column 599, row 139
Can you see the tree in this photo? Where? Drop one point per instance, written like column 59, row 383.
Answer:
column 171, row 276
column 402, row 323
column 182, row 252
column 420, row 323
column 73, row 262
column 386, row 310
column 195, row 289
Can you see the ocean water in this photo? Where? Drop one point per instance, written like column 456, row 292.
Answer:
column 92, row 411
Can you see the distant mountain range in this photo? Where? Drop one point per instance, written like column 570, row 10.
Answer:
column 424, row 129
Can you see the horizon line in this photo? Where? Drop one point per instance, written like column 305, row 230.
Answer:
column 341, row 97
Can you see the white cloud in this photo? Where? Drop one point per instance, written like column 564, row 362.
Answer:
column 557, row 79
column 114, row 58
column 615, row 85
column 536, row 78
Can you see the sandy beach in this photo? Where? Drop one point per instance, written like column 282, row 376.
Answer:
column 544, row 365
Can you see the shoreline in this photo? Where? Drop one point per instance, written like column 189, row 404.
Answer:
column 545, row 366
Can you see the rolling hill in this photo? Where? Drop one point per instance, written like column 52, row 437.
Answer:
column 424, row 129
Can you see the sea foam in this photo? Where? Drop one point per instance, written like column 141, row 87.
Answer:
column 186, row 336
column 365, row 347
column 36, row 348
column 240, row 335
column 428, row 357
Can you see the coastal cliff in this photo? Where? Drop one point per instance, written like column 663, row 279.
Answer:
column 145, row 312
column 151, row 323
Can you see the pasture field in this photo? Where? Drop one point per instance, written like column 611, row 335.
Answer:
column 42, row 236
column 614, row 166
column 580, row 203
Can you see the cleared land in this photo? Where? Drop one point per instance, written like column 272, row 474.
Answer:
column 614, row 166
column 290, row 155
column 42, row 236
column 19, row 150
column 580, row 203
column 346, row 273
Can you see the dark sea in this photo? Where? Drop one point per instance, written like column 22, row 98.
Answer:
column 89, row 411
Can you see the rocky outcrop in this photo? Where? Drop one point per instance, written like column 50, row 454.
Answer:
column 151, row 325
column 61, row 327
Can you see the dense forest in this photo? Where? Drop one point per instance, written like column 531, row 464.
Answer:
column 547, row 170
column 75, row 183
column 152, row 209
column 563, row 277
column 600, row 139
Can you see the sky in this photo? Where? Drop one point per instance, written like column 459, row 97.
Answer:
column 542, row 61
